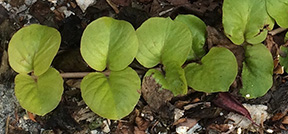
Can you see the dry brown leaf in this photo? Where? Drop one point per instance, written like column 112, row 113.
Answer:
column 31, row 116
column 285, row 120
column 138, row 131
column 142, row 124
column 180, row 104
column 153, row 94
column 278, row 116
column 188, row 122
column 181, row 120
column 219, row 127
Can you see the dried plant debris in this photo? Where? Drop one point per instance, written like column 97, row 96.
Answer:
column 228, row 102
column 258, row 114
column 158, row 99
column 153, row 93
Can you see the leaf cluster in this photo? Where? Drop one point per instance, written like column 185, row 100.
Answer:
column 111, row 45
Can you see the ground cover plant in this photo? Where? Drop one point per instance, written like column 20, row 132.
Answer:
column 173, row 53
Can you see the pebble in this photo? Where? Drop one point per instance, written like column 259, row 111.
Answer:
column 7, row 106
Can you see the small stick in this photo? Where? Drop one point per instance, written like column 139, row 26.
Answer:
column 166, row 11
column 7, row 125
column 74, row 75
column 114, row 6
column 83, row 74
column 276, row 31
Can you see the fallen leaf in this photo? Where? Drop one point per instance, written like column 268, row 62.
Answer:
column 272, row 46
column 123, row 128
column 188, row 123
column 278, row 116
column 219, row 127
column 285, row 120
column 153, row 93
column 31, row 116
column 180, row 121
column 278, row 69
column 282, row 127
column 142, row 124
column 138, row 131
column 226, row 101
column 180, row 104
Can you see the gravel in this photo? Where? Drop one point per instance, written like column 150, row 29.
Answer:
column 8, row 108
column 8, row 103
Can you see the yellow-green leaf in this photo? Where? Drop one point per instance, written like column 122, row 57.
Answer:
column 40, row 95
column 111, row 43
column 33, row 48
column 112, row 97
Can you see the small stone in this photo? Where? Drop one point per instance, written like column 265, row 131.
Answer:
column 182, row 130
column 270, row 131
column 84, row 4
column 53, row 1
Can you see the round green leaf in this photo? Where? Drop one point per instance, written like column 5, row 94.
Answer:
column 111, row 43
column 113, row 97
column 198, row 31
column 284, row 57
column 278, row 9
column 217, row 71
column 174, row 79
column 246, row 20
column 162, row 40
column 42, row 95
column 33, row 48
column 257, row 71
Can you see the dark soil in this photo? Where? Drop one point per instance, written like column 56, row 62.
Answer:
column 157, row 111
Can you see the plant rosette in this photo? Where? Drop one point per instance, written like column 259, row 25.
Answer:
column 31, row 50
column 112, row 44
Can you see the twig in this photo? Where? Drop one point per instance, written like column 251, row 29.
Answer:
column 166, row 11
column 74, row 75
column 276, row 31
column 83, row 74
column 7, row 125
column 113, row 6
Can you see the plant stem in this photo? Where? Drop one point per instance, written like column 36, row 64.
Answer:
column 276, row 31
column 83, row 74
column 74, row 75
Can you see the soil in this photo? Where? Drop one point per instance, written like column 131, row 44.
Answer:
column 195, row 112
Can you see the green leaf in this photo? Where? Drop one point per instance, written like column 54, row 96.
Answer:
column 284, row 57
column 42, row 95
column 278, row 9
column 246, row 20
column 198, row 31
column 257, row 71
column 217, row 71
column 113, row 97
column 174, row 79
column 33, row 48
column 111, row 43
column 162, row 40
